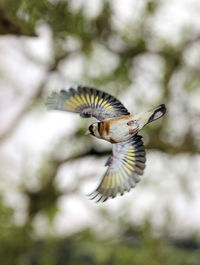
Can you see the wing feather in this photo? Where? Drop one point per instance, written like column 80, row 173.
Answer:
column 124, row 169
column 87, row 102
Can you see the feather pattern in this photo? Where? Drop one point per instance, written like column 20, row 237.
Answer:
column 124, row 168
column 87, row 102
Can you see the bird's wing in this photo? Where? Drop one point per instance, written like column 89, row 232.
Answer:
column 125, row 166
column 88, row 102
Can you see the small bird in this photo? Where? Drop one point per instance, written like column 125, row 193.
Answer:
column 117, row 126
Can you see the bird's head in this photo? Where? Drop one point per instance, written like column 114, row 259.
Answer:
column 93, row 129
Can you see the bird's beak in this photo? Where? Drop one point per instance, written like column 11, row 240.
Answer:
column 87, row 132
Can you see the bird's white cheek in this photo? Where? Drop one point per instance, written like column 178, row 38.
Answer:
column 97, row 134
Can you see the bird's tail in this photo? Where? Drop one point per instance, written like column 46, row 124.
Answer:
column 156, row 113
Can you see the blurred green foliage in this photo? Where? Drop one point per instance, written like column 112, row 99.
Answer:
column 131, row 245
column 136, row 245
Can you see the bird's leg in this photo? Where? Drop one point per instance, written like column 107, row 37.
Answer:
column 133, row 122
column 130, row 123
column 133, row 130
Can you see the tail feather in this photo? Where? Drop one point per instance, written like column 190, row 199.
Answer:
column 157, row 113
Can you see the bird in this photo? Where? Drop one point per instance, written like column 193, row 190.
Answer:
column 116, row 125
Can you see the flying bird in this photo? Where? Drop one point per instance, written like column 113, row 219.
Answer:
column 115, row 125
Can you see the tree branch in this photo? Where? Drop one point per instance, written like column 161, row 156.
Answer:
column 23, row 111
column 11, row 24
column 32, row 101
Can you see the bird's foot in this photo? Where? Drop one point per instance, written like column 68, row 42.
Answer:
column 132, row 122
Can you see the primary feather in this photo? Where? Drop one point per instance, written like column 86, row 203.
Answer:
column 125, row 166
column 88, row 102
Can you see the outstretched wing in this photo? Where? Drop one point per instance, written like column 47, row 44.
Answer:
column 126, row 164
column 88, row 102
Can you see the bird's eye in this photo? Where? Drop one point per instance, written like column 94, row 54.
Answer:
column 91, row 129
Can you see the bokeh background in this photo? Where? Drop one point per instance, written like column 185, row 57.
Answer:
column 143, row 52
